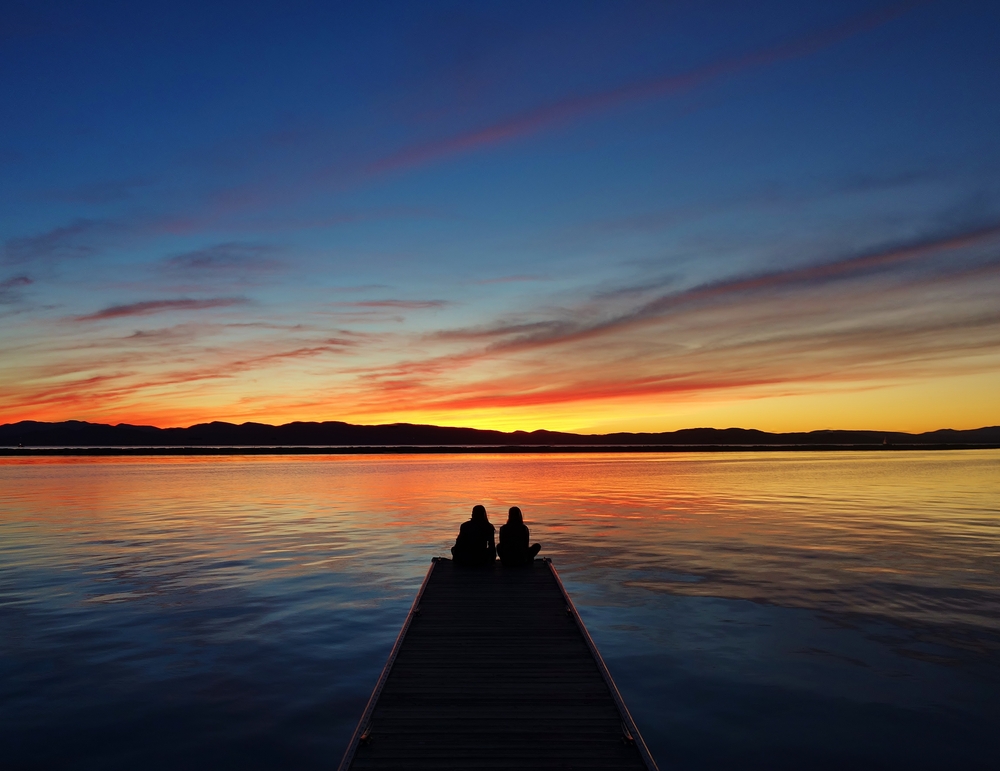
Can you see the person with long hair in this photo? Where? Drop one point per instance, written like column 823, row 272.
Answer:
column 475, row 545
column 514, row 539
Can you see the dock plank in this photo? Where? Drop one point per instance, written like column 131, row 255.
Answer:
column 495, row 669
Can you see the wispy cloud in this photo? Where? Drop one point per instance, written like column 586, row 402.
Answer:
column 879, row 313
column 10, row 289
column 772, row 195
column 414, row 305
column 774, row 352
column 567, row 110
column 230, row 258
column 149, row 307
column 884, row 313
column 74, row 240
column 228, row 204
column 575, row 326
column 160, row 361
column 517, row 279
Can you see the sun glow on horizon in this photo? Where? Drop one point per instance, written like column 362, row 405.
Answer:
column 962, row 402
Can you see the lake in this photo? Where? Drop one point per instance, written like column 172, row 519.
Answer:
column 772, row 610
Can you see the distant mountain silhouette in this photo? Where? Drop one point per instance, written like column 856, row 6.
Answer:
column 75, row 433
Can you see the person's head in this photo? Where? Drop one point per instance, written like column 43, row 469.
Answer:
column 479, row 514
column 514, row 516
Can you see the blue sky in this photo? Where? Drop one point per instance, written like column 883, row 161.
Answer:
column 565, row 215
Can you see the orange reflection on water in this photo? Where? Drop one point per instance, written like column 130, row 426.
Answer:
column 802, row 529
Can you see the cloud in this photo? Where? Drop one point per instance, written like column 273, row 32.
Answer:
column 359, row 288
column 330, row 345
column 644, row 289
column 865, row 317
column 518, row 279
column 882, row 314
column 575, row 327
column 150, row 307
column 10, row 289
column 549, row 329
column 395, row 304
column 789, row 349
column 66, row 241
column 224, row 258
column 567, row 110
column 852, row 267
column 772, row 195
column 93, row 371
column 229, row 203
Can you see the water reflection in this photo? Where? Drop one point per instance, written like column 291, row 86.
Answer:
column 772, row 610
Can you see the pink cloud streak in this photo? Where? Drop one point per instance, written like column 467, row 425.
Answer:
column 149, row 307
column 535, row 121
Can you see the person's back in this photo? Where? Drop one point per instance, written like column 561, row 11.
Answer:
column 513, row 548
column 474, row 545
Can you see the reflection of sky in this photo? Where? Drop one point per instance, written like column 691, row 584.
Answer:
column 794, row 606
column 613, row 217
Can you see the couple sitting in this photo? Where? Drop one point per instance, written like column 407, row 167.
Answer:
column 474, row 545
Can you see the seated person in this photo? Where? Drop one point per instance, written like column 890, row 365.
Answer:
column 513, row 547
column 474, row 545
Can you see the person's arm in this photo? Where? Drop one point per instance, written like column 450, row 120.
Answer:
column 492, row 545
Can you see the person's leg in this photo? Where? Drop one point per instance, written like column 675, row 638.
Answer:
column 533, row 551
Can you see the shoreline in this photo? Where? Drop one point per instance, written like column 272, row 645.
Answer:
column 476, row 449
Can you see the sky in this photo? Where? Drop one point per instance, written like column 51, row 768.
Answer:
column 622, row 216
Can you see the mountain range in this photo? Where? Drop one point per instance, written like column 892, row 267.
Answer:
column 75, row 433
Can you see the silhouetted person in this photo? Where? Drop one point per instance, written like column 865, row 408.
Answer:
column 474, row 545
column 513, row 547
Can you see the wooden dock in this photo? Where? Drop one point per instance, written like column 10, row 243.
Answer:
column 493, row 668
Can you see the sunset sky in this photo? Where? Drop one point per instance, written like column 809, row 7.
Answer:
column 574, row 216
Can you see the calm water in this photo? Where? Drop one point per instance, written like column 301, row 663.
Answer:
column 775, row 610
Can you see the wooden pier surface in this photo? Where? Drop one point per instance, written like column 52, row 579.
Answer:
column 494, row 669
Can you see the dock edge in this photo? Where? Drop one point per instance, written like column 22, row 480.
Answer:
column 627, row 721
column 366, row 716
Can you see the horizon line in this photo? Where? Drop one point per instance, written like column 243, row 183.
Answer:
column 494, row 430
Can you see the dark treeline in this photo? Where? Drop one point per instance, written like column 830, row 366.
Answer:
column 75, row 433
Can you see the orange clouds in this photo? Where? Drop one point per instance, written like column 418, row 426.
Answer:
column 884, row 319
